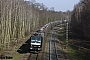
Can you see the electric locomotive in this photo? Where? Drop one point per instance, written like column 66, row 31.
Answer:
column 36, row 42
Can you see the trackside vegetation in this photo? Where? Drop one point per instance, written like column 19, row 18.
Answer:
column 72, row 52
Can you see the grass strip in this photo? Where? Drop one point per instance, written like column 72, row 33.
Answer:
column 74, row 53
column 17, row 57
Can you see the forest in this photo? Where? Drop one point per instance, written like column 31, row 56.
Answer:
column 80, row 23
column 80, row 28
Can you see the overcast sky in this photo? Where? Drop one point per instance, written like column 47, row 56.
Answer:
column 59, row 5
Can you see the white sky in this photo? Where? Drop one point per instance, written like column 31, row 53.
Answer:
column 59, row 5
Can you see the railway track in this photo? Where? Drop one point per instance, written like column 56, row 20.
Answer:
column 52, row 48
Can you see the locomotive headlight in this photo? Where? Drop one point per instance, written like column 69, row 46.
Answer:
column 38, row 46
column 30, row 48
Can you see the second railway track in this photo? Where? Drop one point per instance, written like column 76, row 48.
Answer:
column 55, row 49
column 52, row 47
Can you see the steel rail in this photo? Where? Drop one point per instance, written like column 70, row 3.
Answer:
column 55, row 46
column 55, row 49
column 50, row 46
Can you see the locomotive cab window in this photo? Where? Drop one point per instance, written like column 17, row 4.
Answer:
column 35, row 39
column 38, row 40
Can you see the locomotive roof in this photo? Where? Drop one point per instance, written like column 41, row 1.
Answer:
column 36, row 35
